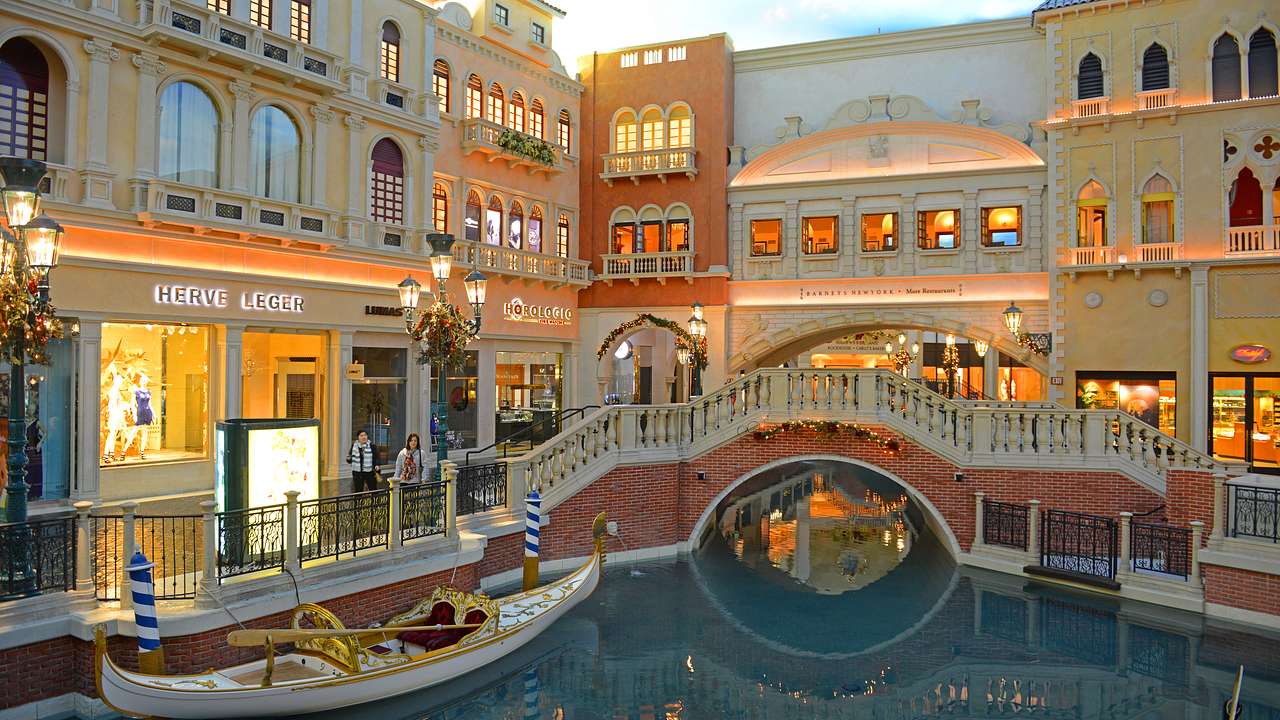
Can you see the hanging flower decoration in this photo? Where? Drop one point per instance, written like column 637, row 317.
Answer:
column 20, row 312
column 697, row 350
column 442, row 335
column 829, row 430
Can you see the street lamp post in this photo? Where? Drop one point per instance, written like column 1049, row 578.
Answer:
column 902, row 357
column 698, row 353
column 951, row 364
column 441, row 332
column 1041, row 343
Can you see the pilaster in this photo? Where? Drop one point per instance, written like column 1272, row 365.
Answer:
column 88, row 399
column 907, row 236
column 323, row 116
column 357, row 178
column 1199, row 358
column 96, row 177
column 244, row 95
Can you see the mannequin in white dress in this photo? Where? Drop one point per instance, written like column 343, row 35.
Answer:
column 116, row 426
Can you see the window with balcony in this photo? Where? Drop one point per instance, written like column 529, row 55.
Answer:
column 1157, row 210
column 220, row 6
column 879, row 232
column 819, row 235
column 515, row 112
column 1155, row 68
column 624, row 237
column 497, row 104
column 515, row 226
column 260, row 13
column 300, row 20
column 677, row 235
column 440, row 83
column 1225, row 67
column 440, row 207
column 564, row 130
column 766, row 238
column 188, row 143
column 625, row 133
column 501, row 15
column 386, row 195
column 1262, row 64
column 680, row 127
column 275, row 154
column 389, row 55
column 538, row 34
column 473, row 216
column 1091, row 216
column 1245, row 200
column 537, row 118
column 475, row 97
column 24, row 100
column 1002, row 227
column 562, row 236
column 493, row 221
column 1089, row 78
column 533, row 232
column 651, row 135
column 938, row 229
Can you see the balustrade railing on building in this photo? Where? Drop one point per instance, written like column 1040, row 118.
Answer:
column 1156, row 99
column 175, row 543
column 637, row 163
column 423, row 510
column 1252, row 241
column 481, row 135
column 655, row 265
column 1095, row 255
column 525, row 263
column 164, row 200
column 37, row 557
column 1255, row 512
column 249, row 541
column 1090, row 107
column 481, row 487
column 1158, row 252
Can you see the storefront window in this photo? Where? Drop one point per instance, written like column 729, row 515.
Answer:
column 460, row 394
column 283, row 375
column 1019, row 382
column 378, row 401
column 529, row 394
column 1150, row 397
column 155, row 392
column 967, row 382
column 1244, row 423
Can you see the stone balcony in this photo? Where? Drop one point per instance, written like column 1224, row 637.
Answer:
column 637, row 164
column 485, row 137
column 660, row 266
column 204, row 210
column 1098, row 255
column 1090, row 107
column 1157, row 99
column 210, row 35
column 1252, row 241
column 552, row 269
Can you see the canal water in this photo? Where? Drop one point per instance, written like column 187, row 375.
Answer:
column 820, row 592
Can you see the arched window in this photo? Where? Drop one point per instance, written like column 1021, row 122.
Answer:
column 497, row 104
column 440, row 83
column 188, row 136
column 275, row 154
column 677, row 235
column 220, row 6
column 680, row 127
column 562, row 236
column 1226, row 69
column 389, row 55
column 537, row 118
column 564, row 130
column 386, row 196
column 1245, row 200
column 515, row 112
column 624, row 239
column 651, row 238
column 1089, row 82
column 475, row 97
column 473, row 217
column 493, row 221
column 1157, row 210
column 533, row 234
column 1262, row 64
column 651, row 130
column 625, row 132
column 440, row 207
column 1155, row 68
column 24, row 101
column 1091, row 215
column 515, row 226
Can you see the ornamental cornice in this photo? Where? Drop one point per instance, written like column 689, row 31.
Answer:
column 149, row 64
column 466, row 41
column 100, row 50
column 322, row 113
column 242, row 90
column 429, row 143
column 355, row 122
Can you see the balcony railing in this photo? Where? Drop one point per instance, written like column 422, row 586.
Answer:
column 1090, row 107
column 639, row 163
column 660, row 265
column 1252, row 241
column 199, row 207
column 1156, row 99
column 483, row 136
column 539, row 266
column 194, row 24
column 1098, row 255
column 1158, row 252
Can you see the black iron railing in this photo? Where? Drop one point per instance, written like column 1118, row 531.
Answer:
column 347, row 524
column 481, row 487
column 1159, row 548
column 422, row 510
column 1004, row 524
column 37, row 557
column 250, row 540
column 1256, row 512
column 174, row 543
column 542, row 430
column 1078, row 543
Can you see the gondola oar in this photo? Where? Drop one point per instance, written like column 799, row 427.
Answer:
column 1231, row 708
column 255, row 638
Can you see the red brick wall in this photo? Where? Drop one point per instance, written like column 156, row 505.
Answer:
column 1241, row 589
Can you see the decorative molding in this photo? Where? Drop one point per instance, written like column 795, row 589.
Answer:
column 149, row 64
column 466, row 41
column 100, row 50
column 242, row 90
column 355, row 122
column 322, row 113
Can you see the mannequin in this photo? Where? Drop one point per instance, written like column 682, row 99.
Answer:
column 115, row 419
column 142, row 415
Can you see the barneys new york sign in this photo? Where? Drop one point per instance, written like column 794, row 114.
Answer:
column 876, row 290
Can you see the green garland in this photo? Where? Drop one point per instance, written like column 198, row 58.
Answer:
column 683, row 338
column 527, row 146
column 20, row 313
column 442, row 335
column 829, row 430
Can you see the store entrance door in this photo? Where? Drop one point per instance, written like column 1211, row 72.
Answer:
column 1243, row 421
column 284, row 375
column 296, row 385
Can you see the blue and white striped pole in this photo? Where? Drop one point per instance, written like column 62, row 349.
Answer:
column 531, row 694
column 532, row 516
column 150, row 654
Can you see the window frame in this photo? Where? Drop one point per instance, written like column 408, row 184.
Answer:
column 440, row 207
column 474, row 98
column 562, row 235
column 1081, row 77
column 642, row 239
column 442, row 81
column 537, row 119
column 260, row 13
column 501, row 16
column 387, row 202
column 688, row 234
column 23, row 138
column 897, row 230
column 266, row 191
column 985, row 231
column 538, row 34
column 751, row 237
column 222, row 7
column 300, row 21
column 922, row 224
column 215, row 168
column 616, row 247
column 479, row 207
column 496, row 102
column 1229, row 65
column 1145, row 68
column 806, row 240
column 564, row 131
column 389, row 53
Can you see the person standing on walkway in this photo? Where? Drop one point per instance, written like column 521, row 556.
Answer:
column 409, row 461
column 363, row 458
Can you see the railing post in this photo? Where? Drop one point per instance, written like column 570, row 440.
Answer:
column 292, row 554
column 978, row 519
column 84, row 549
column 1216, row 530
column 209, row 575
column 450, row 475
column 1033, row 531
column 627, row 430
column 1095, row 434
column 1197, row 533
column 980, row 433
column 394, row 502
column 1126, row 556
column 128, row 546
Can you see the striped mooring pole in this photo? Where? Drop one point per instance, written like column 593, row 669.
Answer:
column 531, row 694
column 532, row 516
column 150, row 654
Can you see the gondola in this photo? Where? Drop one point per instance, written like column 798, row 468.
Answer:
column 443, row 637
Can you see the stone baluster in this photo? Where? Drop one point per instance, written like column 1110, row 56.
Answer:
column 450, row 475
column 1197, row 534
column 1218, row 530
column 978, row 520
column 1126, row 553
column 395, row 503
column 84, row 546
column 292, row 555
column 129, row 545
column 209, row 569
column 1033, row 532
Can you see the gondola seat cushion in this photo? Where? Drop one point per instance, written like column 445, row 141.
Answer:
column 442, row 614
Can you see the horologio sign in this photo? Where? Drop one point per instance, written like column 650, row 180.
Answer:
column 191, row 296
column 516, row 310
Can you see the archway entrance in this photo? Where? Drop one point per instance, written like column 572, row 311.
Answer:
column 646, row 360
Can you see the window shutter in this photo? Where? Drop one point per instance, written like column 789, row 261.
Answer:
column 920, row 229
column 1089, row 81
column 984, row 217
column 387, row 158
column 1226, row 69
column 1262, row 64
column 1155, row 68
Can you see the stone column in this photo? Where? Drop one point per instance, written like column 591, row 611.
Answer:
column 150, row 67
column 907, row 235
column 338, row 393
column 1200, row 358
column 428, row 146
column 357, row 177
column 971, row 233
column 791, row 240
column 88, row 399
column 209, row 562
column 991, row 373
column 486, row 395
column 84, row 546
column 96, row 175
column 978, row 520
column 244, row 94
column 231, row 349
column 1126, row 555
column 319, row 195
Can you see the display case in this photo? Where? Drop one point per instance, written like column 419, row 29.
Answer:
column 259, row 460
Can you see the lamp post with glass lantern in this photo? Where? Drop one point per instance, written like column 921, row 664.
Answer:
column 902, row 357
column 1041, row 343
column 28, row 251
column 428, row 335
column 951, row 363
column 698, row 353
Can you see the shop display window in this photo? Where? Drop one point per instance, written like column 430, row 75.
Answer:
column 471, row 219
column 1243, row 422
column 528, row 395
column 1017, row 381
column 493, row 222
column 155, row 392
column 1150, row 397
column 49, row 407
column 379, row 400
column 460, row 395
column 283, row 375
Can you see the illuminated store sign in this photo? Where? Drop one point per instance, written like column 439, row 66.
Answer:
column 875, row 290
column 191, row 296
column 1250, row 354
column 516, row 311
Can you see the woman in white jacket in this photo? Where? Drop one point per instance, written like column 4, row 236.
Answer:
column 409, row 461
